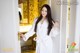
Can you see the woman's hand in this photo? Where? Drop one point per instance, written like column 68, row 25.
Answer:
column 34, row 38
column 21, row 35
column 56, row 24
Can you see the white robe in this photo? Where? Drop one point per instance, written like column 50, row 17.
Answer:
column 44, row 43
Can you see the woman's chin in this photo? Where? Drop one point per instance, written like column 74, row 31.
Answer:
column 43, row 16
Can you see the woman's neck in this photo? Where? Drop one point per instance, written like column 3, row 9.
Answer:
column 43, row 19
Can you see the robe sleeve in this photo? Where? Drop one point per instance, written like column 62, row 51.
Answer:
column 30, row 32
column 55, row 31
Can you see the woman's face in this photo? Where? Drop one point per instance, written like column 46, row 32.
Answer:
column 44, row 12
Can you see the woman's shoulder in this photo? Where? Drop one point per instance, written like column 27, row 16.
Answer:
column 35, row 19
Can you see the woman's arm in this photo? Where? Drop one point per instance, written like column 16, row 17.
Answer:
column 30, row 32
column 55, row 30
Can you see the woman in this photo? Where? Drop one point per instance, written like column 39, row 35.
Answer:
column 45, row 28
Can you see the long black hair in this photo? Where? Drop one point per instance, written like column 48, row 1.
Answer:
column 49, row 19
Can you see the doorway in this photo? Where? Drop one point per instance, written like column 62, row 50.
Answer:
column 28, row 11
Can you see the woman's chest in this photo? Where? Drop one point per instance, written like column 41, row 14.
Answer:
column 42, row 27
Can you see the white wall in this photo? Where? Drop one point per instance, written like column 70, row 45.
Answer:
column 9, row 26
column 61, row 14
column 77, row 27
column 56, row 9
column 74, row 35
column 63, row 25
column 56, row 15
column 60, row 11
column 72, row 21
